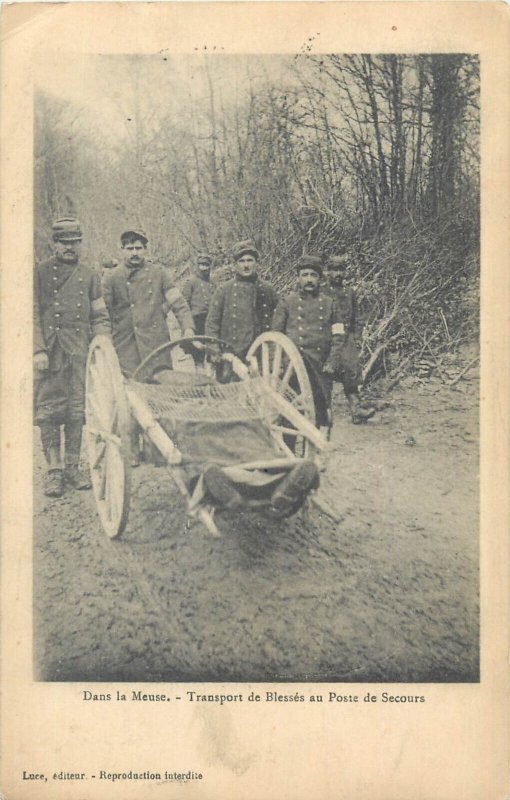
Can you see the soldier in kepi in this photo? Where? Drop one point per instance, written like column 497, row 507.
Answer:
column 310, row 319
column 136, row 293
column 242, row 307
column 198, row 291
column 349, row 372
column 68, row 311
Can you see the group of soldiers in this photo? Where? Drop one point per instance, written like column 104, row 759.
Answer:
column 131, row 301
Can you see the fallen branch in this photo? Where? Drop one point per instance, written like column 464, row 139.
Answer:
column 429, row 348
column 463, row 372
column 367, row 369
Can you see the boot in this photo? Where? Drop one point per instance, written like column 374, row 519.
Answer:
column 222, row 488
column 50, row 440
column 53, row 483
column 76, row 477
column 72, row 473
column 293, row 490
column 359, row 415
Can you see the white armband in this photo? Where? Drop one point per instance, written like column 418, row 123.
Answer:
column 171, row 295
column 338, row 329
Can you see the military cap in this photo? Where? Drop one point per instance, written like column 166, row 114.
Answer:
column 337, row 262
column 138, row 232
column 204, row 258
column 310, row 262
column 66, row 229
column 244, row 247
column 109, row 263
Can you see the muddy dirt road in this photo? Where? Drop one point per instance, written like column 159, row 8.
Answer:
column 389, row 594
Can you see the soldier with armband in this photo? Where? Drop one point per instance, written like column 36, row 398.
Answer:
column 349, row 372
column 68, row 311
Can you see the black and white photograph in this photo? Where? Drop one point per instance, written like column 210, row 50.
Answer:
column 256, row 367
column 255, row 388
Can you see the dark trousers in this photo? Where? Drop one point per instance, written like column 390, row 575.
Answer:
column 199, row 323
column 349, row 374
column 59, row 392
column 321, row 390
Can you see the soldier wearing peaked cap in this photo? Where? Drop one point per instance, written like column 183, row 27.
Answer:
column 137, row 294
column 198, row 291
column 241, row 308
column 348, row 368
column 68, row 311
column 134, row 234
column 311, row 320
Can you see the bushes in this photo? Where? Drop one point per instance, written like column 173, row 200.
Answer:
column 376, row 153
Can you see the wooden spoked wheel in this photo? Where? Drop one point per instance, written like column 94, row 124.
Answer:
column 107, row 432
column 281, row 365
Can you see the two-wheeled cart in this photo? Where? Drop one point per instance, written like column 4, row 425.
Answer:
column 255, row 425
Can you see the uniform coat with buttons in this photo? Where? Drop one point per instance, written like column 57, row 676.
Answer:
column 136, row 298
column 198, row 291
column 240, row 309
column 309, row 320
column 68, row 311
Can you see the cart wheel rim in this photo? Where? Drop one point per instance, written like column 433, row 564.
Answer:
column 107, row 433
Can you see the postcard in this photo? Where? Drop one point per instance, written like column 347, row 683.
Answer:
column 255, row 400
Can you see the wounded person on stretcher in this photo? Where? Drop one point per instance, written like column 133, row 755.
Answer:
column 284, row 501
column 207, row 446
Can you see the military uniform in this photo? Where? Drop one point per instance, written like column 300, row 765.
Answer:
column 307, row 319
column 68, row 312
column 240, row 310
column 135, row 298
column 312, row 322
column 198, row 291
column 108, row 264
column 349, row 370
